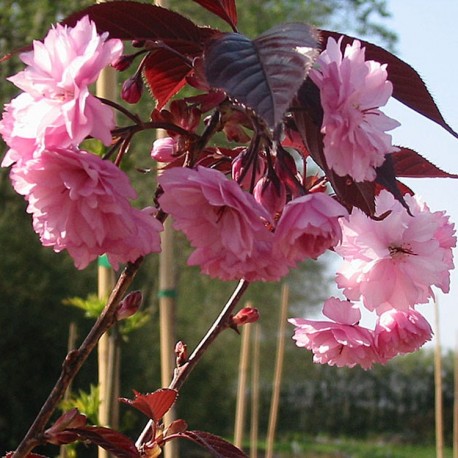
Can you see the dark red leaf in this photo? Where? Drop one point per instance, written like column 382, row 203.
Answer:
column 408, row 87
column 165, row 73
column 58, row 433
column 130, row 20
column 153, row 405
column 113, row 441
column 225, row 9
column 30, row 455
column 408, row 163
column 217, row 446
column 264, row 74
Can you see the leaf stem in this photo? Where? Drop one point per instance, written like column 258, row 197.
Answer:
column 76, row 358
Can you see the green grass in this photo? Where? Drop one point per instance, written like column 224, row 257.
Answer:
column 346, row 448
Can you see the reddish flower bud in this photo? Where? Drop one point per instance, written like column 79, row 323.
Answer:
column 123, row 62
column 242, row 170
column 181, row 353
column 245, row 316
column 132, row 89
column 129, row 305
column 270, row 194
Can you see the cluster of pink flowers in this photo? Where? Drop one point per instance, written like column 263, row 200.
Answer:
column 235, row 236
column 79, row 202
column 390, row 266
column 351, row 90
column 255, row 226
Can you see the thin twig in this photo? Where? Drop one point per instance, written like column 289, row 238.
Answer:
column 219, row 325
column 75, row 359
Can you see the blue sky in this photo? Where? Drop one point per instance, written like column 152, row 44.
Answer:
column 428, row 41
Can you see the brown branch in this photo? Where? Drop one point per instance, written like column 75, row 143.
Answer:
column 220, row 324
column 75, row 359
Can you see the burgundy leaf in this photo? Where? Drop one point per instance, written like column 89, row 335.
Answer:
column 59, row 433
column 386, row 177
column 408, row 163
column 264, row 74
column 30, row 455
column 225, row 9
column 408, row 87
column 113, row 441
column 130, row 20
column 165, row 73
column 153, row 405
column 217, row 446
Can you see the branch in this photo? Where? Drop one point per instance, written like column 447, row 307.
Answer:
column 182, row 373
column 76, row 358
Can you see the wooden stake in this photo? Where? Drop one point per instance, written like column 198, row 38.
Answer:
column 278, row 373
column 106, row 283
column 167, row 323
column 241, row 391
column 105, row 88
column 255, row 393
column 438, row 389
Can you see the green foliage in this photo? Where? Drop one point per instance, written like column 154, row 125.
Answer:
column 87, row 403
column 92, row 305
column 364, row 18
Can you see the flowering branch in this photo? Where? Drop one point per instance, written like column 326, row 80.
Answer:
column 76, row 358
column 183, row 371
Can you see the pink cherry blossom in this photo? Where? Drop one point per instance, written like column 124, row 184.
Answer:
column 226, row 225
column 352, row 90
column 398, row 332
column 308, row 226
column 57, row 109
column 394, row 262
column 80, row 203
column 341, row 343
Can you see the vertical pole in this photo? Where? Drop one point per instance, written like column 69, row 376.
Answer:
column 106, row 283
column 167, row 321
column 438, row 388
column 255, row 393
column 167, row 311
column 278, row 373
column 455, row 401
column 242, row 383
column 106, row 88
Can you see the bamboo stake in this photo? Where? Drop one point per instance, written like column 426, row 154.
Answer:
column 167, row 323
column 241, row 391
column 255, row 393
column 438, row 389
column 105, row 88
column 106, row 283
column 275, row 401
column 455, row 402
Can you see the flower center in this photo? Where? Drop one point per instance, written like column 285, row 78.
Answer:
column 400, row 251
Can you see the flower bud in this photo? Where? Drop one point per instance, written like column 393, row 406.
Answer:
column 242, row 170
column 123, row 62
column 181, row 353
column 245, row 316
column 132, row 89
column 270, row 194
column 164, row 149
column 129, row 305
